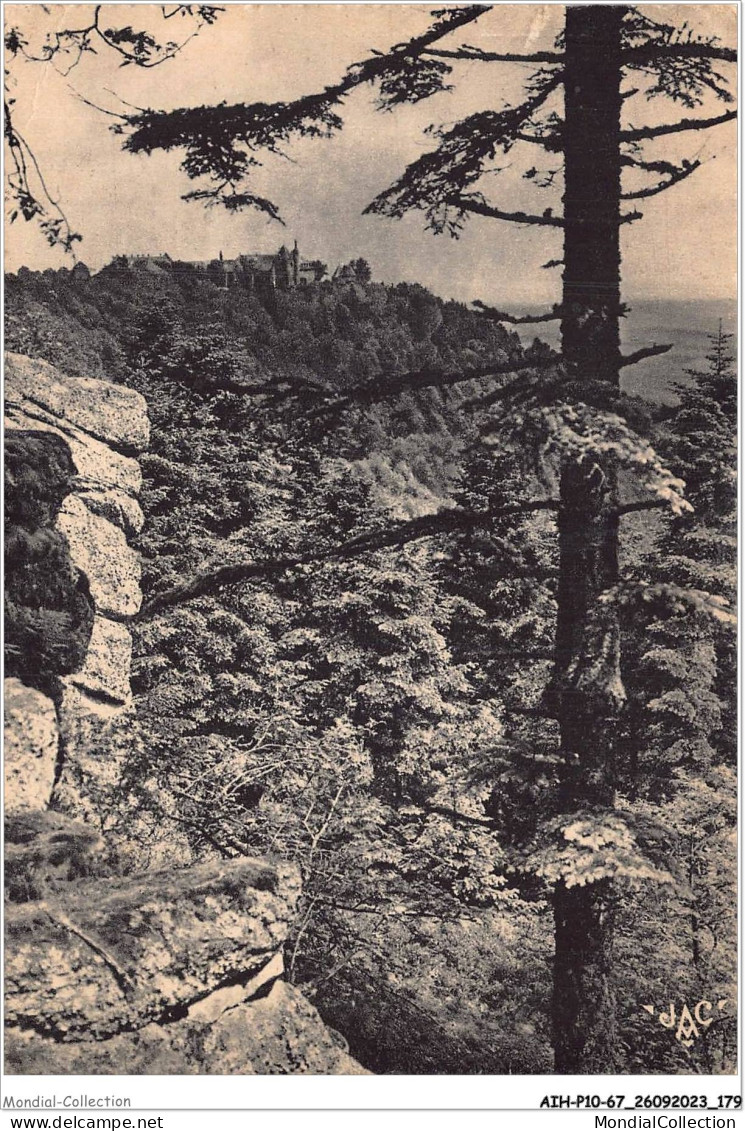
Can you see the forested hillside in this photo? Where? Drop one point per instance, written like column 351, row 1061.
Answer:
column 383, row 719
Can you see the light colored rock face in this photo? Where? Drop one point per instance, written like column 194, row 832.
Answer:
column 99, row 739
column 103, row 426
column 100, row 550
column 98, row 466
column 115, row 954
column 278, row 1034
column 107, row 662
column 111, row 413
column 31, row 745
column 116, row 507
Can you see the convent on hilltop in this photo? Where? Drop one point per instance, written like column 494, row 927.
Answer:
column 281, row 271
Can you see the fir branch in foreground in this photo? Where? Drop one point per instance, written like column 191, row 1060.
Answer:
column 443, row 522
column 220, row 142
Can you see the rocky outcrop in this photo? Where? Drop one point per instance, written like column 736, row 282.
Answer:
column 273, row 1030
column 170, row 972
column 31, row 745
column 111, row 413
column 101, row 427
column 100, row 550
column 174, row 971
column 112, row 955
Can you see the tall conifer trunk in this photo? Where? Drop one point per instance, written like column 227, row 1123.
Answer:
column 587, row 688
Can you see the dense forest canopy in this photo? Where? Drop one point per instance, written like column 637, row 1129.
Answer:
column 378, row 720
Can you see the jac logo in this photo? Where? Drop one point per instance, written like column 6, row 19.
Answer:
column 688, row 1024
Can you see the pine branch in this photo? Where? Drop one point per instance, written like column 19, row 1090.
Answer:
column 454, row 815
column 644, row 505
column 437, row 181
column 651, row 53
column 220, row 141
column 380, row 389
column 645, row 132
column 466, row 53
column 427, row 526
column 675, row 178
column 481, row 208
column 518, row 319
column 640, row 355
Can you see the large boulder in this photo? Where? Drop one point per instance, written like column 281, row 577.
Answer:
column 277, row 1033
column 98, row 466
column 100, row 550
column 105, row 672
column 112, row 955
column 111, row 413
column 31, row 745
column 281, row 1033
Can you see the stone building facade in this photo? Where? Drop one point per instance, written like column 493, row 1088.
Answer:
column 282, row 270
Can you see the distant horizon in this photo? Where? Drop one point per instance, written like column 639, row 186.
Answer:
column 518, row 305
column 686, row 244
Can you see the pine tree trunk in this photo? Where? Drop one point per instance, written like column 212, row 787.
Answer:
column 587, row 689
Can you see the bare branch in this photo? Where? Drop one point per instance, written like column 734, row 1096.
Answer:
column 454, row 815
column 470, row 53
column 652, row 52
column 675, row 178
column 646, row 53
column 494, row 315
column 471, row 204
column 146, row 53
column 380, row 389
column 519, row 388
column 665, row 167
column 427, row 526
column 645, row 132
column 94, row 105
column 640, row 355
column 645, row 505
column 30, row 204
column 61, row 920
column 551, row 142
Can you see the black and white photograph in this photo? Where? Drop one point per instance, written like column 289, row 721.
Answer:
column 370, row 447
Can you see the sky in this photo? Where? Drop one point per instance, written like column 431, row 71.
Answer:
column 685, row 248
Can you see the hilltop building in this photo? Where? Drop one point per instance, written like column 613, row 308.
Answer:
column 255, row 270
